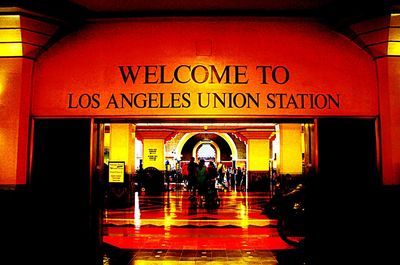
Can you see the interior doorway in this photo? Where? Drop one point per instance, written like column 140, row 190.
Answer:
column 160, row 152
column 258, row 149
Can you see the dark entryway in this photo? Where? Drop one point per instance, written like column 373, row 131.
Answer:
column 343, row 196
column 61, row 214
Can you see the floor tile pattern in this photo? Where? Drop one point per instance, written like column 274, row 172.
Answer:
column 171, row 229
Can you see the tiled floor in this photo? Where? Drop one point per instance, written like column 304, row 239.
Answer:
column 169, row 229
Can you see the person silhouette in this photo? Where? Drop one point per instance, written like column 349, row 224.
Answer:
column 192, row 175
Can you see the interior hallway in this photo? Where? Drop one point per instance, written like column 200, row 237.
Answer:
column 169, row 229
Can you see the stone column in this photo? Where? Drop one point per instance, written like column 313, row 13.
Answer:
column 258, row 156
column 290, row 156
column 122, row 145
column 380, row 37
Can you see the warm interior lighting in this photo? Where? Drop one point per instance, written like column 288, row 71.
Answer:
column 276, row 149
column 10, row 49
column 10, row 36
column 153, row 153
column 244, row 215
column 395, row 20
column 206, row 151
column 10, row 21
column 258, row 154
column 137, row 211
column 394, row 35
column 205, row 124
column 303, row 147
column 161, row 261
column 291, row 160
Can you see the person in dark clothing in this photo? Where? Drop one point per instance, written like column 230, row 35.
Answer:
column 192, row 176
column 211, row 197
column 232, row 173
column 139, row 178
column 212, row 173
column 221, row 173
column 201, row 178
column 239, row 179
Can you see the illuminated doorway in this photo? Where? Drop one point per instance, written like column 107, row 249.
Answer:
column 206, row 152
column 259, row 149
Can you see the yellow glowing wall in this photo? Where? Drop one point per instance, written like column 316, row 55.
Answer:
column 132, row 149
column 290, row 149
column 122, row 145
column 394, row 35
column 13, row 127
column 153, row 153
column 107, row 140
column 258, row 154
column 10, row 36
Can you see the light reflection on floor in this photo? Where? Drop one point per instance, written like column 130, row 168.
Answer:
column 169, row 229
column 174, row 209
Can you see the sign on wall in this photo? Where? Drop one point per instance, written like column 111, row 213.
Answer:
column 233, row 77
column 153, row 153
column 116, row 171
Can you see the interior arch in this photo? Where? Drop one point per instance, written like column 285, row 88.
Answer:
column 225, row 136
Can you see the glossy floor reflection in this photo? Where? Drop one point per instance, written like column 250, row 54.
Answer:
column 170, row 229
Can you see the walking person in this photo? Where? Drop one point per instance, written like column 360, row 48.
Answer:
column 239, row 179
column 192, row 176
column 201, row 179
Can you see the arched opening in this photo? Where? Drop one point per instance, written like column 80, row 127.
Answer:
column 228, row 139
column 207, row 142
column 206, row 151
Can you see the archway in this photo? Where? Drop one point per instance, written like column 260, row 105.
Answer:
column 225, row 136
column 207, row 147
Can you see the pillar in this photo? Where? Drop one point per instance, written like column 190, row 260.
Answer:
column 258, row 155
column 381, row 38
column 388, row 72
column 15, row 75
column 122, row 145
column 22, row 38
column 389, row 101
column 290, row 156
